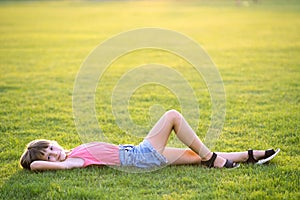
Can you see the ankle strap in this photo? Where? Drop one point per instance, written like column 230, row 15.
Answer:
column 210, row 163
column 250, row 157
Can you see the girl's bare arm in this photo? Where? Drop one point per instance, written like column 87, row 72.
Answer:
column 67, row 164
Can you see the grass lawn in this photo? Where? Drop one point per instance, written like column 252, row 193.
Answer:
column 255, row 47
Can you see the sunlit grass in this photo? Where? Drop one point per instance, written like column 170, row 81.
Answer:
column 255, row 48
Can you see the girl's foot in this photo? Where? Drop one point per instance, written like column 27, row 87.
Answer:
column 261, row 157
column 219, row 162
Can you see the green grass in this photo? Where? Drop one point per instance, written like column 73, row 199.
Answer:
column 255, row 48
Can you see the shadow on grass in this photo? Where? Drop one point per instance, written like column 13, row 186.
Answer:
column 7, row 88
column 173, row 182
column 108, row 183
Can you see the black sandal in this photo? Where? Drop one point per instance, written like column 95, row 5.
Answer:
column 269, row 154
column 210, row 163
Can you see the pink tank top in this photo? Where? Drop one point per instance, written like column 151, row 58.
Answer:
column 97, row 153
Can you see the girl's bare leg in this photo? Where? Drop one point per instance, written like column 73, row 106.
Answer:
column 177, row 156
column 173, row 120
column 190, row 157
column 241, row 156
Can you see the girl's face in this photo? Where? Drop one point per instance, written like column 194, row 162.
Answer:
column 55, row 153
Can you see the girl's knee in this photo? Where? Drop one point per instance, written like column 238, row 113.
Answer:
column 173, row 115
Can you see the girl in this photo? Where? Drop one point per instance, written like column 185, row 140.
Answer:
column 152, row 152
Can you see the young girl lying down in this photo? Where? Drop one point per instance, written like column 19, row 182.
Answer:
column 152, row 152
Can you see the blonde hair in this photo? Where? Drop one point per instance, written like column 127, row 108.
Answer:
column 35, row 150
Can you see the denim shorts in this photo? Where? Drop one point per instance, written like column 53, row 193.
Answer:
column 142, row 156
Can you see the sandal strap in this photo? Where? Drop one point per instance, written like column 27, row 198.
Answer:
column 230, row 164
column 268, row 153
column 251, row 159
column 210, row 163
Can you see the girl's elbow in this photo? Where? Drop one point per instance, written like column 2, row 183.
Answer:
column 35, row 165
